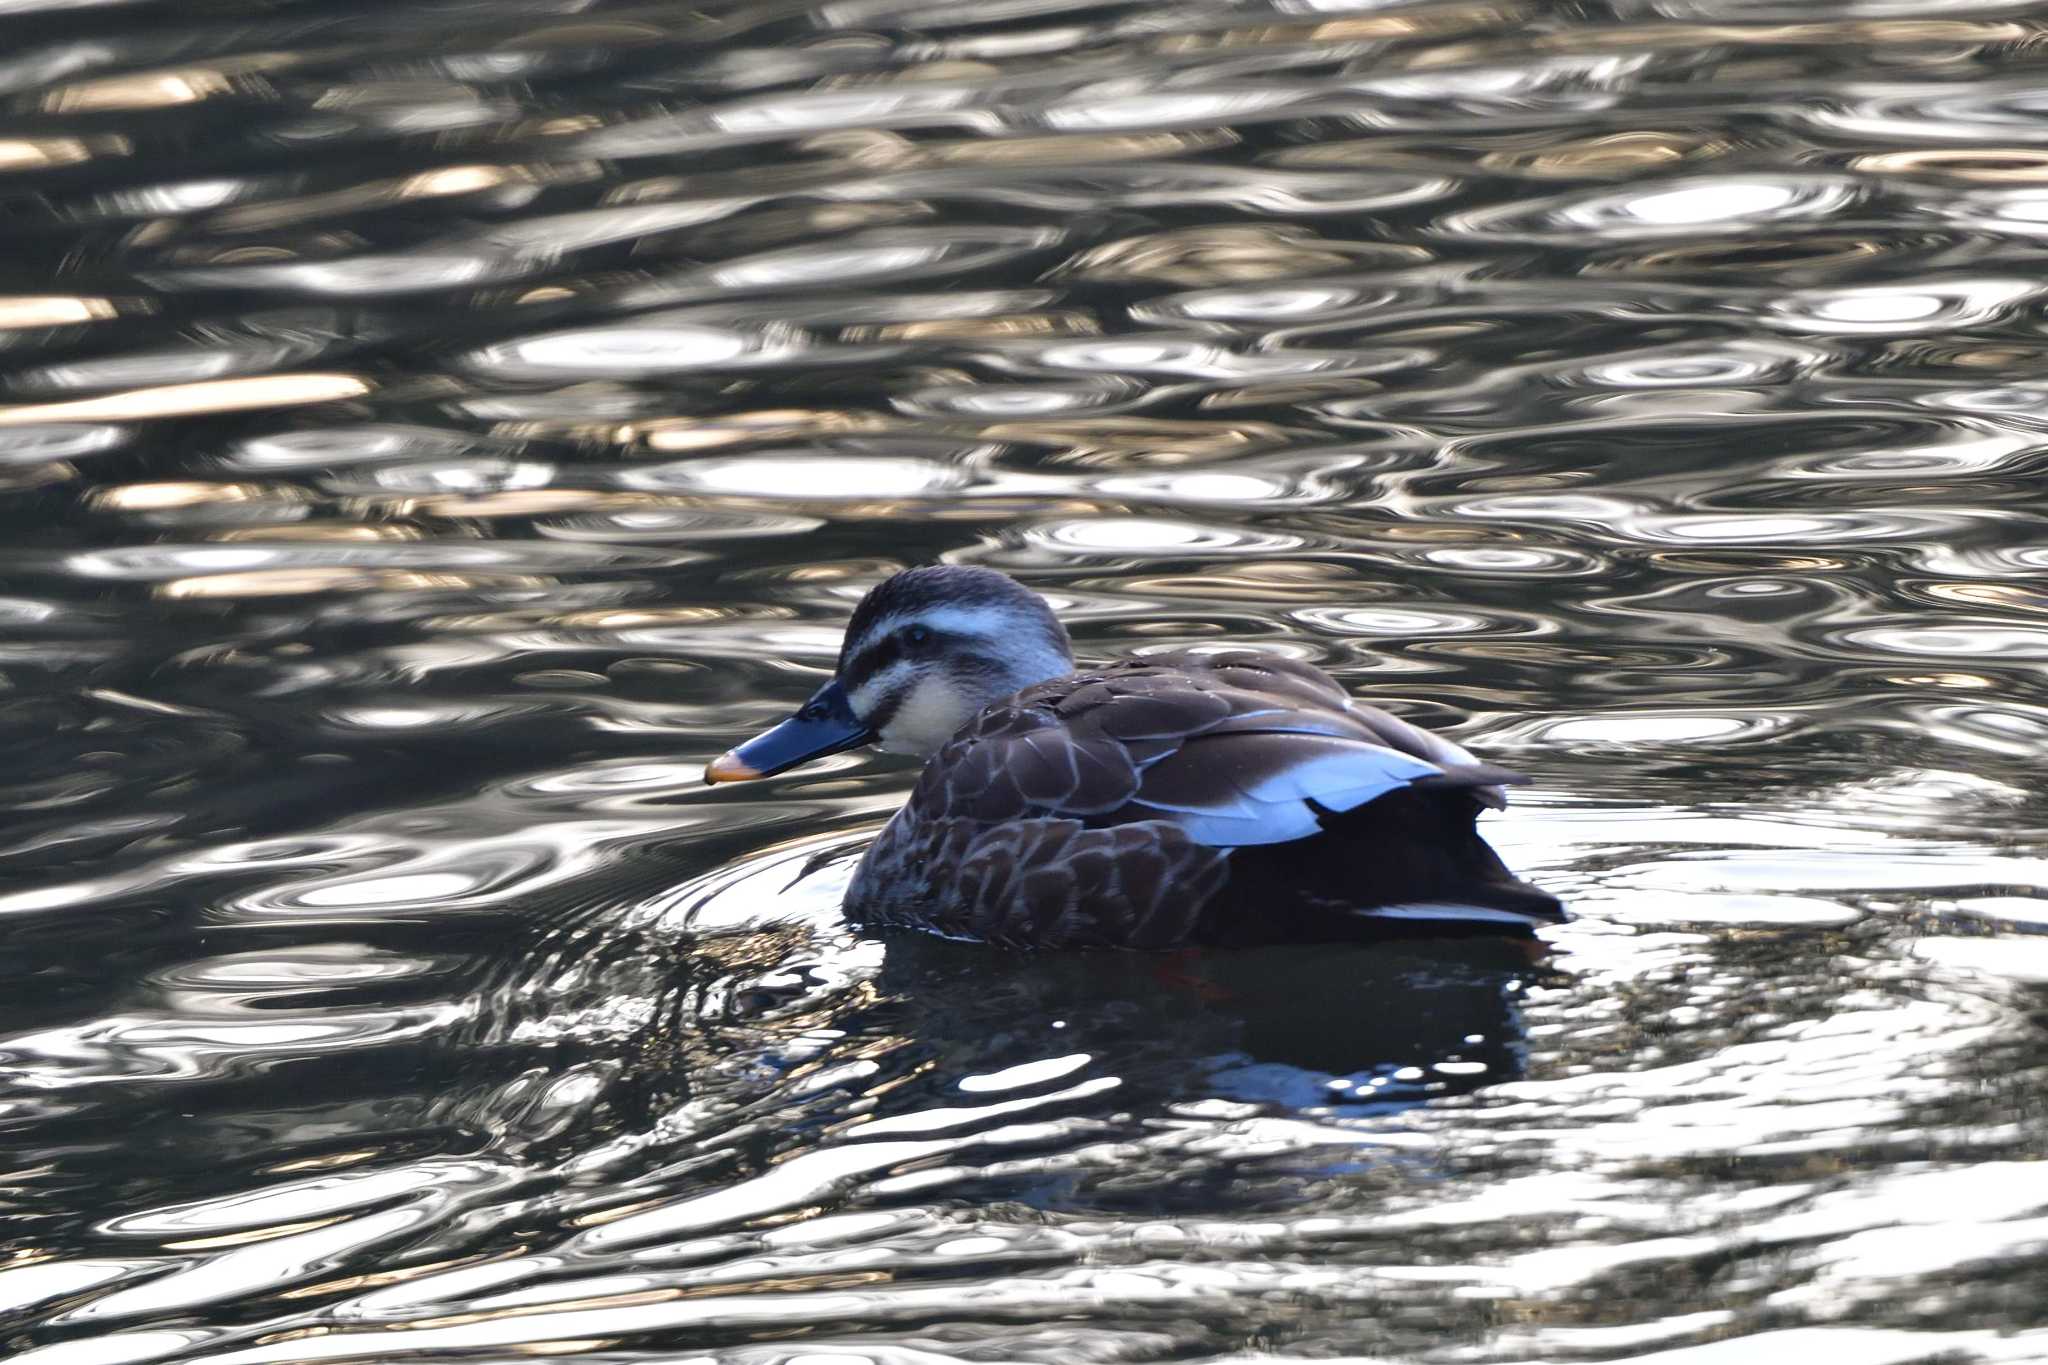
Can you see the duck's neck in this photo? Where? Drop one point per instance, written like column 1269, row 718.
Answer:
column 1042, row 663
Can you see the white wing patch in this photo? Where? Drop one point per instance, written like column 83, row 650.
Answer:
column 1266, row 801
column 1452, row 912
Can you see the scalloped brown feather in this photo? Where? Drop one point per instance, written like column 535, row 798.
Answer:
column 1041, row 823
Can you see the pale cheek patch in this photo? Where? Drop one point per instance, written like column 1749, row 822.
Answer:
column 928, row 717
column 868, row 697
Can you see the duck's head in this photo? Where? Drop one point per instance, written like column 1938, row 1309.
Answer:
column 926, row 650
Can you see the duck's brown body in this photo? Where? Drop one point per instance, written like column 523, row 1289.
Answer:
column 1190, row 798
column 1181, row 798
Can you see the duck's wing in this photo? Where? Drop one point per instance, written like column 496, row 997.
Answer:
column 1231, row 749
column 1102, row 809
column 1316, row 700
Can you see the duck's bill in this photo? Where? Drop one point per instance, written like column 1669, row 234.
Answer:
column 825, row 725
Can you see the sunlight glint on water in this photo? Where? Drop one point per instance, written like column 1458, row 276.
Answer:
column 429, row 433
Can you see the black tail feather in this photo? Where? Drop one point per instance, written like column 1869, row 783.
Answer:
column 1411, row 859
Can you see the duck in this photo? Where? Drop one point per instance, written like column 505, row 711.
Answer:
column 1179, row 799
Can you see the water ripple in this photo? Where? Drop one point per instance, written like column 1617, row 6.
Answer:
column 1681, row 208
column 433, row 432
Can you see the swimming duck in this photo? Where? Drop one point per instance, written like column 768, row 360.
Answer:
column 1180, row 798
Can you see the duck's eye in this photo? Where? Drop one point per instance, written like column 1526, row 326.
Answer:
column 916, row 636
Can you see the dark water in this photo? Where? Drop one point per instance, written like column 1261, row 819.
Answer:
column 431, row 431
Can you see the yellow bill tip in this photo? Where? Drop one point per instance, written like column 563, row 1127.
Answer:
column 727, row 767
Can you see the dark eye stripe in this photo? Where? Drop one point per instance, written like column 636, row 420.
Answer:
column 871, row 661
column 889, row 649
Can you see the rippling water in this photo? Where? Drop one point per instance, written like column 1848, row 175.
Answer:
column 430, row 431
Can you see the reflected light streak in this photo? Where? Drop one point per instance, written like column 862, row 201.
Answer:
column 189, row 400
column 23, row 311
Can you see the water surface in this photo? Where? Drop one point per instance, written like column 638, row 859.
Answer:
column 430, row 431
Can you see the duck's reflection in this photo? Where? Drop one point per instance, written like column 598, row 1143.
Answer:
column 1351, row 1025
column 1357, row 1027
